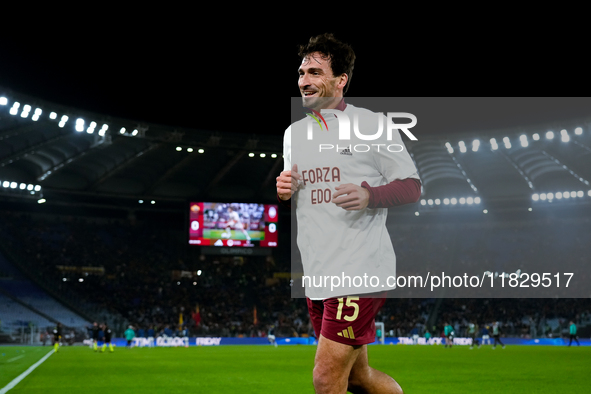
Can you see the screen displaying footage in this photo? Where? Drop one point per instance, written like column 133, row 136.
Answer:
column 233, row 224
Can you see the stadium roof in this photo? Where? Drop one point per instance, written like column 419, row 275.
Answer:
column 191, row 90
column 98, row 155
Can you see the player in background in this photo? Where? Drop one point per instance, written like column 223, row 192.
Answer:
column 107, row 338
column 129, row 335
column 57, row 336
column 271, row 336
column 473, row 333
column 235, row 222
column 496, row 331
column 95, row 336
column 448, row 331
column 414, row 333
column 485, row 335
column 344, row 325
column 428, row 338
column 573, row 333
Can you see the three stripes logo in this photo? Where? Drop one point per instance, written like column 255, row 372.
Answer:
column 347, row 152
column 316, row 116
column 347, row 333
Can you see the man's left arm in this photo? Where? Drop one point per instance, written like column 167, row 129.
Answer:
column 403, row 187
column 397, row 192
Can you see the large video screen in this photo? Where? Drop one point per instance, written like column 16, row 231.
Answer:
column 233, row 224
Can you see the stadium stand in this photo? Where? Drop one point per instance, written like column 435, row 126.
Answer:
column 93, row 226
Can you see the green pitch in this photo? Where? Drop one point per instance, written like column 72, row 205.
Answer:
column 217, row 234
column 288, row 369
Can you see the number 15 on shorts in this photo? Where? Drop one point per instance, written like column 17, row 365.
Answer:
column 350, row 302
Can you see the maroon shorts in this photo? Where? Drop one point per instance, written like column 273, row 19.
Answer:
column 347, row 320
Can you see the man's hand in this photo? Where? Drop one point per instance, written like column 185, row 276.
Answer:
column 351, row 197
column 288, row 183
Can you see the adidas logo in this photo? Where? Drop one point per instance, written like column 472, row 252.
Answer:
column 347, row 152
column 347, row 333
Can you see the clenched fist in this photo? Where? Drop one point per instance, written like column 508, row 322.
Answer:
column 288, row 182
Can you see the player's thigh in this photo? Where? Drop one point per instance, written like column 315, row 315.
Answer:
column 360, row 371
column 334, row 360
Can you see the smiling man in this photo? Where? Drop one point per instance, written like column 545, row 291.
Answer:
column 342, row 200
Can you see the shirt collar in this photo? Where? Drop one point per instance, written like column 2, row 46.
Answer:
column 341, row 107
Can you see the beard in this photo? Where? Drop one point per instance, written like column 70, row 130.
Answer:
column 318, row 103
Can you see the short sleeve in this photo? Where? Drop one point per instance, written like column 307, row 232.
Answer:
column 287, row 149
column 395, row 162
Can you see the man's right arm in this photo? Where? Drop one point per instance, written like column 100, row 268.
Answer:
column 287, row 185
column 284, row 180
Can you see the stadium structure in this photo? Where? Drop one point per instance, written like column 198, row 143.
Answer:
column 95, row 224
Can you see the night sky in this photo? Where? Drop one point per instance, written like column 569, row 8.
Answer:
column 195, row 78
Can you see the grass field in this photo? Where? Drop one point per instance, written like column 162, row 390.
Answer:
column 288, row 369
column 217, row 234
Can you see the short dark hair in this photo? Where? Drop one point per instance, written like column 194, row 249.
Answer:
column 341, row 55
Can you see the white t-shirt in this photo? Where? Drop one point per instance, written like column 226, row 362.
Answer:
column 331, row 240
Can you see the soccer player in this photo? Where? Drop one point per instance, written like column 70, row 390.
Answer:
column 573, row 334
column 57, row 336
column 107, row 338
column 95, row 336
column 485, row 335
column 496, row 331
column 473, row 332
column 414, row 333
column 271, row 336
column 234, row 221
column 360, row 190
column 129, row 335
column 448, row 331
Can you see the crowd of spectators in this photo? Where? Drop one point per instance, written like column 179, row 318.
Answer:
column 158, row 283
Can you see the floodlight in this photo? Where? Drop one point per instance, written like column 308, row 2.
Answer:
column 564, row 136
column 493, row 144
column 462, row 146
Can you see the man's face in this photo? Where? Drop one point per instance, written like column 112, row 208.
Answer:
column 318, row 86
